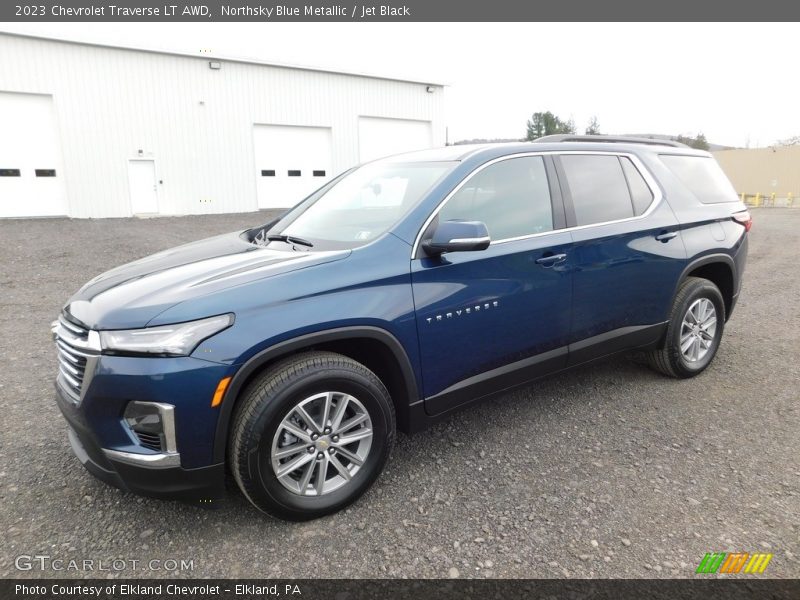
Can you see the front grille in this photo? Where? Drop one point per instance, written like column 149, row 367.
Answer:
column 149, row 440
column 75, row 347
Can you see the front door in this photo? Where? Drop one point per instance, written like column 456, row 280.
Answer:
column 143, row 187
column 491, row 319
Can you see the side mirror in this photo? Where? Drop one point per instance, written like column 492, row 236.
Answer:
column 457, row 236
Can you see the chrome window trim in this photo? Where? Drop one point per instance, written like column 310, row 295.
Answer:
column 473, row 240
column 655, row 189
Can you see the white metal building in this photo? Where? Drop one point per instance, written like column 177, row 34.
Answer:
column 96, row 131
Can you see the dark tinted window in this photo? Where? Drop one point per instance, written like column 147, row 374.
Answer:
column 598, row 187
column 703, row 176
column 641, row 194
column 511, row 197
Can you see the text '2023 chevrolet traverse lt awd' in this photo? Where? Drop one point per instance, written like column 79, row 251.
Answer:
column 289, row 354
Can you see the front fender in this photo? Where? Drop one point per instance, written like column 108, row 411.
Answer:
column 287, row 347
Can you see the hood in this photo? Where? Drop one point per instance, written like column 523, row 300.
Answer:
column 132, row 295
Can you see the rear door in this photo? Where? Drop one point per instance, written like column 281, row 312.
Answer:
column 627, row 252
column 495, row 318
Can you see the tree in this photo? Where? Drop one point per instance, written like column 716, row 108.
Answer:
column 699, row 141
column 546, row 123
column 792, row 141
column 593, row 128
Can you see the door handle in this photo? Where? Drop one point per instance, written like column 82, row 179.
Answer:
column 666, row 236
column 552, row 259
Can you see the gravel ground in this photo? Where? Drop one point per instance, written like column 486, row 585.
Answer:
column 606, row 471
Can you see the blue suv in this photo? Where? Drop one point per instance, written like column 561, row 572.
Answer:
column 289, row 354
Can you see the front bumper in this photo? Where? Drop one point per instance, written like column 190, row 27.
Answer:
column 158, row 475
column 203, row 486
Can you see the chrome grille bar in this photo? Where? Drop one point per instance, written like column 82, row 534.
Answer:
column 79, row 331
column 69, row 353
column 75, row 345
column 75, row 372
column 74, row 383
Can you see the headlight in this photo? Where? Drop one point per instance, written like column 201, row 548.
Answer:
column 177, row 340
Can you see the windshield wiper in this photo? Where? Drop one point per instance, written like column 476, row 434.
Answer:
column 289, row 239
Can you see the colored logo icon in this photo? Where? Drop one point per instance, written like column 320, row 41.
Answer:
column 734, row 562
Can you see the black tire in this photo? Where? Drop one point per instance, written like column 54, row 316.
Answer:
column 272, row 396
column 669, row 359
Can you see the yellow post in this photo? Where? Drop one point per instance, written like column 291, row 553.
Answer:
column 758, row 199
column 772, row 199
column 789, row 200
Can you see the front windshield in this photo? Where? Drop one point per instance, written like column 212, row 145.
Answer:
column 361, row 205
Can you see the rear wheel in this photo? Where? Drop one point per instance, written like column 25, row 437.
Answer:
column 311, row 435
column 694, row 332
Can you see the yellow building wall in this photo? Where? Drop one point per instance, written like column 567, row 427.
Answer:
column 763, row 170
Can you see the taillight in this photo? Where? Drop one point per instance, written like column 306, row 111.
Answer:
column 744, row 219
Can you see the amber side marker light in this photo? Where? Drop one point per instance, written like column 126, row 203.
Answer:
column 221, row 387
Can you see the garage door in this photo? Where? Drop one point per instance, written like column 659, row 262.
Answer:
column 31, row 172
column 291, row 162
column 383, row 137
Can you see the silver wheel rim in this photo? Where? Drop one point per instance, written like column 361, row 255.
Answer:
column 698, row 329
column 321, row 443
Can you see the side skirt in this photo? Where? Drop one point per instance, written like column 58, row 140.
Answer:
column 492, row 383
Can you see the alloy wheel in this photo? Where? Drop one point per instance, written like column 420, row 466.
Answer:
column 698, row 329
column 321, row 443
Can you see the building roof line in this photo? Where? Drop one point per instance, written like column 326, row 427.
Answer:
column 221, row 57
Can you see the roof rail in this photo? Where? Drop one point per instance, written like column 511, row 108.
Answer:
column 620, row 139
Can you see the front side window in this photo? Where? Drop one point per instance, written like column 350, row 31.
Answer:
column 598, row 188
column 511, row 197
column 361, row 205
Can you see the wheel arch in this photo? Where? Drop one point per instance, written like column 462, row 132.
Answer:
column 375, row 348
column 717, row 268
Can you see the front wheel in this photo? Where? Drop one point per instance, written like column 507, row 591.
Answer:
column 310, row 435
column 694, row 331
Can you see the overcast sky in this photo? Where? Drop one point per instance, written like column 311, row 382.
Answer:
column 737, row 83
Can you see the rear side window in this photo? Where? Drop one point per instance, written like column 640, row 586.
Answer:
column 641, row 194
column 702, row 176
column 598, row 187
column 511, row 197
